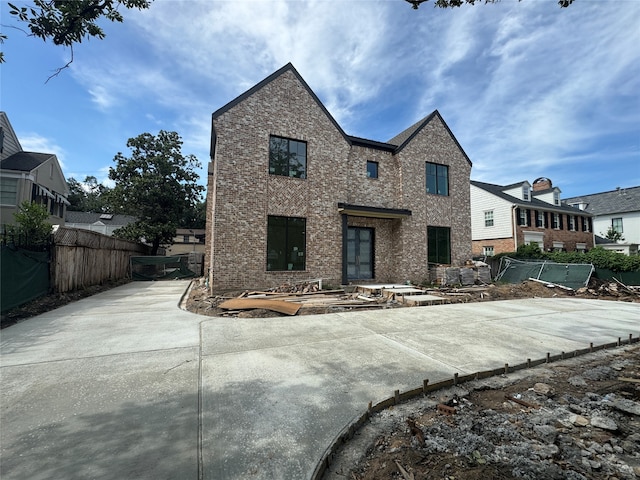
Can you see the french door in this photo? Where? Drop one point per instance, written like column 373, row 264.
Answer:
column 359, row 253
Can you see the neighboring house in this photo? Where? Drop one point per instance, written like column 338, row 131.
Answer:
column 292, row 197
column 187, row 240
column 619, row 210
column 28, row 176
column 104, row 223
column 504, row 217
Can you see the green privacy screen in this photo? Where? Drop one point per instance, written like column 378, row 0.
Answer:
column 160, row 268
column 24, row 276
column 572, row 275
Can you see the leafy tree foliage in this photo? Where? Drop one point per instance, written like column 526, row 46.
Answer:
column 195, row 216
column 157, row 184
column 32, row 223
column 457, row 3
column 67, row 22
column 614, row 235
column 87, row 196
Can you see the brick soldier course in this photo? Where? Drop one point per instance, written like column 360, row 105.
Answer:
column 334, row 194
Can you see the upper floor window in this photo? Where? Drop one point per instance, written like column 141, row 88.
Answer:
column 437, row 179
column 488, row 218
column 525, row 193
column 287, row 157
column 556, row 198
column 372, row 169
column 616, row 225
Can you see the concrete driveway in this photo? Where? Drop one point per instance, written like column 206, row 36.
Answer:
column 124, row 384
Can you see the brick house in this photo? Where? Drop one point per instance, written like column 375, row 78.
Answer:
column 505, row 217
column 291, row 197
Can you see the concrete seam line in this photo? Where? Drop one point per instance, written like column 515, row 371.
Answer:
column 349, row 430
column 200, row 429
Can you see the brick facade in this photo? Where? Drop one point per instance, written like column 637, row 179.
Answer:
column 242, row 194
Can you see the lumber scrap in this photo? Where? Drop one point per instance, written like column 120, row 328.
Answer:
column 280, row 306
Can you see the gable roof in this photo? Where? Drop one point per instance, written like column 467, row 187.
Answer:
column 91, row 218
column 395, row 145
column 9, row 139
column 287, row 68
column 498, row 191
column 616, row 201
column 25, row 161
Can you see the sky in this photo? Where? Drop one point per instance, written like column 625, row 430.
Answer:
column 529, row 89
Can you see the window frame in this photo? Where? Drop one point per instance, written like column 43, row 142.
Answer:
column 4, row 191
column 439, row 182
column 617, row 220
column 572, row 223
column 376, row 166
column 283, row 260
column 526, row 193
column 273, row 166
column 434, row 240
column 556, row 221
column 488, row 218
column 488, row 251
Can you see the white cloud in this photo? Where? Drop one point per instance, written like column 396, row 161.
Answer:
column 32, row 142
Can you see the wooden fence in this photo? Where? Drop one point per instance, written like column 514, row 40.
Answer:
column 82, row 258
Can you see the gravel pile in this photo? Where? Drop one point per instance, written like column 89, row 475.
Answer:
column 578, row 419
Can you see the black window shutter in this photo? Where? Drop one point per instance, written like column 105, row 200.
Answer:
column 590, row 224
column 518, row 222
column 561, row 226
column 529, row 213
column 546, row 219
column 535, row 216
column 584, row 223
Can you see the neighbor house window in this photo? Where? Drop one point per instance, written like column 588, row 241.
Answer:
column 185, row 239
column 556, row 221
column 525, row 193
column 439, row 244
column 523, row 217
column 572, row 223
column 487, row 251
column 287, row 157
column 8, row 191
column 540, row 223
column 286, row 243
column 372, row 169
column 488, row 218
column 556, row 198
column 616, row 224
column 437, row 179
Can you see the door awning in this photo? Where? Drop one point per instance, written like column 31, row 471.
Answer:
column 372, row 212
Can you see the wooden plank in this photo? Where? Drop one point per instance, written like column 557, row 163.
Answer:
column 288, row 308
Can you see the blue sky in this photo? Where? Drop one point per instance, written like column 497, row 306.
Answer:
column 529, row 89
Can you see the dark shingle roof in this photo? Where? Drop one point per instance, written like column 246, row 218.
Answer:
column 616, row 201
column 24, row 161
column 90, row 218
column 498, row 191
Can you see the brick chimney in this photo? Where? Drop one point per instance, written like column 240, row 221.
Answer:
column 541, row 183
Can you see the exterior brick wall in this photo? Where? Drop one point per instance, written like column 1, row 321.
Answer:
column 242, row 194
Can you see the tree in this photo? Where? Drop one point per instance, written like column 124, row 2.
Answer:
column 32, row 223
column 457, row 3
column 613, row 235
column 87, row 196
column 67, row 22
column 157, row 184
column 195, row 216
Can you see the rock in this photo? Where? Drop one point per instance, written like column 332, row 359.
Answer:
column 542, row 389
column 604, row 423
column 579, row 420
column 627, row 406
column 577, row 381
column 545, row 433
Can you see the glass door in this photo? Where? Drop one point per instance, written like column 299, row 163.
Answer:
column 359, row 253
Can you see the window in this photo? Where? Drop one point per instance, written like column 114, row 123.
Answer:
column 372, row 169
column 286, row 242
column 525, row 193
column 616, row 224
column 540, row 220
column 439, row 244
column 572, row 223
column 487, row 251
column 8, row 191
column 287, row 157
column 556, row 198
column 185, row 239
column 523, row 217
column 437, row 179
column 556, row 221
column 488, row 218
